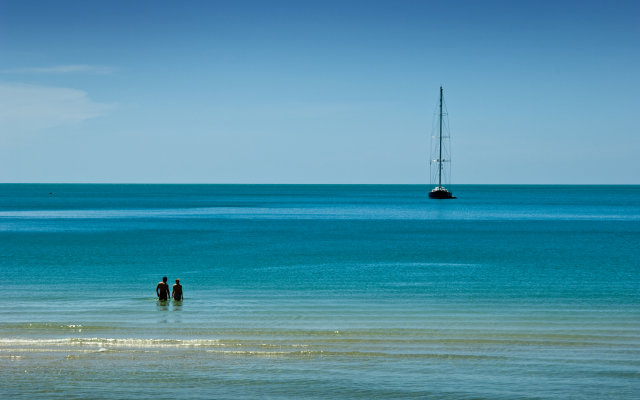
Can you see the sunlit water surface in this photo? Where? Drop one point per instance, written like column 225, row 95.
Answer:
column 508, row 292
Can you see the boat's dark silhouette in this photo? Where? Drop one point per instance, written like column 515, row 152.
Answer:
column 441, row 193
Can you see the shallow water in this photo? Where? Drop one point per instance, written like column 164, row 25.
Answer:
column 324, row 291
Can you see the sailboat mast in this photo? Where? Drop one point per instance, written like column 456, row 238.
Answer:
column 439, row 192
column 440, row 155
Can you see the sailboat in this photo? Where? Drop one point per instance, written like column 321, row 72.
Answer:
column 439, row 162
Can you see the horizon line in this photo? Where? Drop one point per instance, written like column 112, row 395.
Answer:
column 317, row 184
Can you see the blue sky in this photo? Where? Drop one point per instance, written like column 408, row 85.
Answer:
column 318, row 91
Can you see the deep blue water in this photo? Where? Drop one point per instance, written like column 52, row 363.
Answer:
column 320, row 291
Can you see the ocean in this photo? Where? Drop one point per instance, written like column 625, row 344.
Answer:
column 320, row 292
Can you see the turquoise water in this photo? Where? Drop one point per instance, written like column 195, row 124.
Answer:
column 304, row 291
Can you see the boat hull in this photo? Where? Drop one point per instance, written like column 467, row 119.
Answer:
column 441, row 193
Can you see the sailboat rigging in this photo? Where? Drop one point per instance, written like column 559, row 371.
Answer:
column 439, row 162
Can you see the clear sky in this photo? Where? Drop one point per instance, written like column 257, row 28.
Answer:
column 318, row 91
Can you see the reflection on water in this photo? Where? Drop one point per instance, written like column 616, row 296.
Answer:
column 162, row 305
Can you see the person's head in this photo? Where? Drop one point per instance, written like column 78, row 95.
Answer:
column 164, row 279
column 177, row 281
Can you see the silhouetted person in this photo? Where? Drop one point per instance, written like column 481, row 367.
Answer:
column 162, row 290
column 177, row 291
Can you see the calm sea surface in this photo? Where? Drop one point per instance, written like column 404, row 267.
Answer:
column 323, row 292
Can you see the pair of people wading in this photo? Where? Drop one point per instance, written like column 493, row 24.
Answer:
column 162, row 290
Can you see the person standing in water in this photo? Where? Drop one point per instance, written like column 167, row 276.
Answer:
column 177, row 291
column 162, row 290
